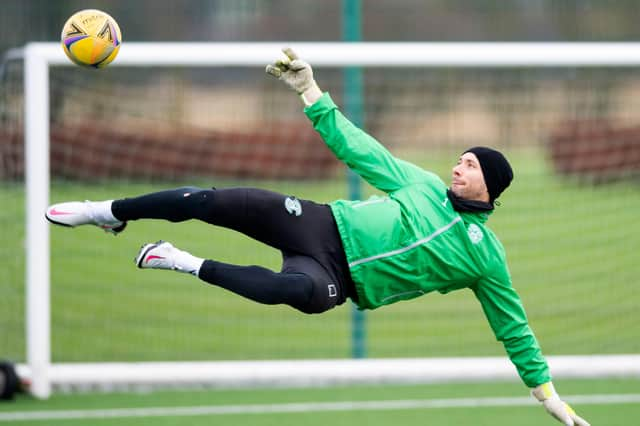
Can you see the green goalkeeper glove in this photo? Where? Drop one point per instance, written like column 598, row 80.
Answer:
column 297, row 74
column 559, row 409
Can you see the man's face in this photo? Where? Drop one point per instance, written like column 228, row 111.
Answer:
column 468, row 181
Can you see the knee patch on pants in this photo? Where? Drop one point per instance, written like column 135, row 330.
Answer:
column 326, row 293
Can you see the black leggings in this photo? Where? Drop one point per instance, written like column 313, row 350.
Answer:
column 314, row 275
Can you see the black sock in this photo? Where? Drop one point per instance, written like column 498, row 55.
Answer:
column 175, row 205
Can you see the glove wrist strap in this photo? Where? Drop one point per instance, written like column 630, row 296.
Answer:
column 544, row 391
column 311, row 95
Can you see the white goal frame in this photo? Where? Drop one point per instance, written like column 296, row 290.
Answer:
column 44, row 375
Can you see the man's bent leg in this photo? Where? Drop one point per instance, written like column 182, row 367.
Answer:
column 253, row 282
column 260, row 284
column 303, row 284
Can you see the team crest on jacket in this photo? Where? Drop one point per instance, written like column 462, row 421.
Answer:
column 475, row 233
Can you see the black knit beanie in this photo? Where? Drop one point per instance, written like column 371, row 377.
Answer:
column 495, row 169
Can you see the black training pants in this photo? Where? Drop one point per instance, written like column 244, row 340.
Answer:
column 314, row 276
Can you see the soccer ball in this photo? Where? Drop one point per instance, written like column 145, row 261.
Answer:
column 91, row 38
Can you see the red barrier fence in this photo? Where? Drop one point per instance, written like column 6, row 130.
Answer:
column 90, row 152
column 595, row 149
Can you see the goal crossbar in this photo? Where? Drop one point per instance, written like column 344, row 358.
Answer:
column 369, row 54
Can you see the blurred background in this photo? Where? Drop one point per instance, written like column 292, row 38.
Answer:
column 401, row 20
column 569, row 222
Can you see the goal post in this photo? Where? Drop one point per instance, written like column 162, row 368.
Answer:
column 39, row 57
column 37, row 231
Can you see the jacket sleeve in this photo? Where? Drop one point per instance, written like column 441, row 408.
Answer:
column 361, row 152
column 503, row 308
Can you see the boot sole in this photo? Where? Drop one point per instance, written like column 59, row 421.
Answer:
column 57, row 223
column 115, row 231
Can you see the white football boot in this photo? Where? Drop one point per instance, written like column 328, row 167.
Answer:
column 163, row 255
column 76, row 213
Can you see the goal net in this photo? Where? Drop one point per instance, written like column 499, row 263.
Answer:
column 78, row 314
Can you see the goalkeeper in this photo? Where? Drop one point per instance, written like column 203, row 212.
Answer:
column 420, row 237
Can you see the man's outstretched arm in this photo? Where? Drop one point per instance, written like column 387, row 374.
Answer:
column 357, row 149
column 503, row 308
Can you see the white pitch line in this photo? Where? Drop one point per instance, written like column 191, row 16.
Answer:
column 304, row 407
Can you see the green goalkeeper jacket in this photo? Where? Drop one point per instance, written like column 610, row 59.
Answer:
column 412, row 241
